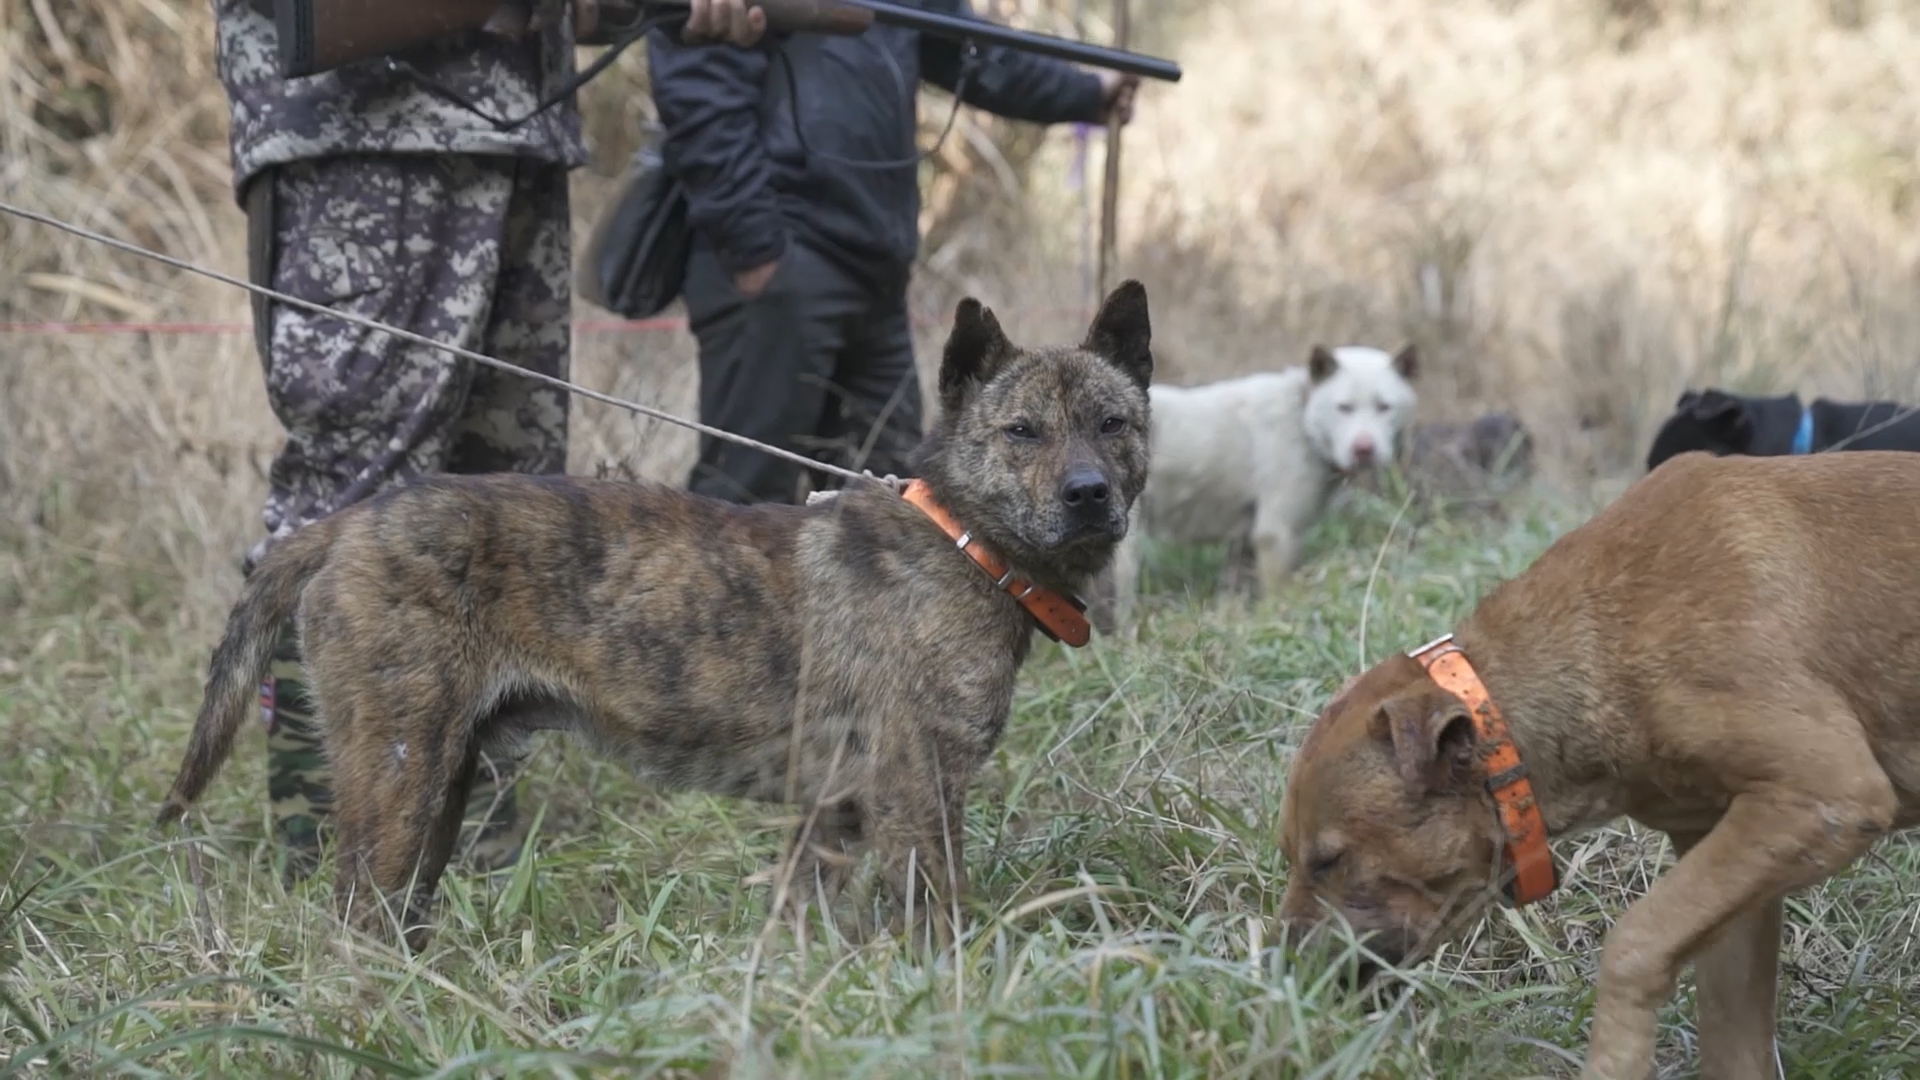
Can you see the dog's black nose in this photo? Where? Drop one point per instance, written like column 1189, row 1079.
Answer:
column 1085, row 490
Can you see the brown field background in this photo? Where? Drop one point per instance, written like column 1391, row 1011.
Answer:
column 1575, row 207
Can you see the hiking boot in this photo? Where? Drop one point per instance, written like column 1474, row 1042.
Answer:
column 299, row 781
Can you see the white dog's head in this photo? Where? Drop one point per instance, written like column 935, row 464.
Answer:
column 1361, row 399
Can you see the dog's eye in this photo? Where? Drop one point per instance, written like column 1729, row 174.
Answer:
column 1325, row 864
column 1347, row 407
column 1114, row 425
column 1020, row 429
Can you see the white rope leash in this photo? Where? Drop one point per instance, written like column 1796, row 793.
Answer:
column 408, row 335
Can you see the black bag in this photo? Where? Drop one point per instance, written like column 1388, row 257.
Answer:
column 636, row 257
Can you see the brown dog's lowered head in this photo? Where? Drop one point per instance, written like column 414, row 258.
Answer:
column 1385, row 818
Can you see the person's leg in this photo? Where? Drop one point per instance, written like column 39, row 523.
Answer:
column 362, row 410
column 765, row 363
column 874, row 418
column 516, row 425
column 298, row 790
column 298, row 794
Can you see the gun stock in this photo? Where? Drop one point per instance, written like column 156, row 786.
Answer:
column 319, row 35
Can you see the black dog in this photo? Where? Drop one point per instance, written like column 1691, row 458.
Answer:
column 1723, row 423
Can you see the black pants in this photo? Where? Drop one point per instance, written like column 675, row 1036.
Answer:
column 818, row 363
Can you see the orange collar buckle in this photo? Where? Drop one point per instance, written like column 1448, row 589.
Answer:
column 1526, row 849
column 1062, row 618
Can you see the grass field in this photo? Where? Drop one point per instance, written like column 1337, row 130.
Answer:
column 1123, row 847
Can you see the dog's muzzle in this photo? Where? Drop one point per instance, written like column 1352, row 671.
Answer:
column 1380, row 949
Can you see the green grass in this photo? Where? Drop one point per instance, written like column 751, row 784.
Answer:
column 1122, row 846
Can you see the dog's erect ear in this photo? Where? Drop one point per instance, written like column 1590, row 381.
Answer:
column 1687, row 398
column 1321, row 364
column 1726, row 417
column 1407, row 362
column 976, row 351
column 1432, row 736
column 1122, row 334
column 1713, row 404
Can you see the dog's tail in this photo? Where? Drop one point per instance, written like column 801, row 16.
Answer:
column 272, row 593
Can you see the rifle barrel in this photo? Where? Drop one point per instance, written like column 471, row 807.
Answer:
column 953, row 26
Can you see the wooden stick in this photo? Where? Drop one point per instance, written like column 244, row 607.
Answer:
column 1110, row 190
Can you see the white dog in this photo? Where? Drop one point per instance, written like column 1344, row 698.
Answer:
column 1250, row 461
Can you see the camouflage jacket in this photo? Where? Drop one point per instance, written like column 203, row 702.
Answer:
column 364, row 107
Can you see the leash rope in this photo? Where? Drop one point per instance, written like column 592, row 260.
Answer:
column 419, row 339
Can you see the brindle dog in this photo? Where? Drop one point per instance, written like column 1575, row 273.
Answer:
column 844, row 656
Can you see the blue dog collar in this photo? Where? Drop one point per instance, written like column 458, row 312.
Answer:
column 1803, row 438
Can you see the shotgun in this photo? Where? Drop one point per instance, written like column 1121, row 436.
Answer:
column 319, row 35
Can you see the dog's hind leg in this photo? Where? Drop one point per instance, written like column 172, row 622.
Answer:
column 1737, row 973
column 441, row 838
column 1819, row 800
column 400, row 792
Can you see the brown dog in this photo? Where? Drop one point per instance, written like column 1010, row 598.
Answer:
column 848, row 656
column 1729, row 653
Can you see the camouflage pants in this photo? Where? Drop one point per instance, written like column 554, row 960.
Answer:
column 464, row 249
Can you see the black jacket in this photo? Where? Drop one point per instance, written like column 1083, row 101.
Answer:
column 730, row 139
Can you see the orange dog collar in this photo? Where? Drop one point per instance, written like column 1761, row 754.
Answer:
column 1534, row 875
column 1060, row 617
